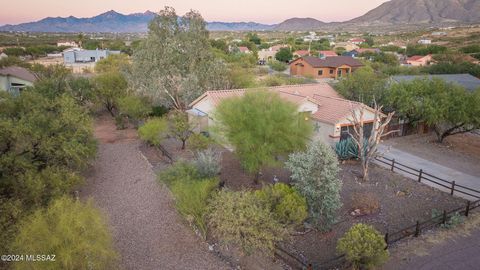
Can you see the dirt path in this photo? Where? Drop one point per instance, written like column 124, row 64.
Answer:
column 147, row 231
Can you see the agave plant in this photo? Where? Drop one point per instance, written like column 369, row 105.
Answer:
column 346, row 149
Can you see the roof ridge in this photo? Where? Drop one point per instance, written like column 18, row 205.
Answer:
column 340, row 99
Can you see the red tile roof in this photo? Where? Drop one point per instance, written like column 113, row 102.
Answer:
column 243, row 49
column 416, row 58
column 331, row 107
column 328, row 53
column 301, row 52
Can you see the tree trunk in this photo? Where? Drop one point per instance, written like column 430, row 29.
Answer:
column 365, row 171
column 183, row 144
column 255, row 179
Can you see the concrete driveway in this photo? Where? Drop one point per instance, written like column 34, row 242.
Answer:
column 432, row 168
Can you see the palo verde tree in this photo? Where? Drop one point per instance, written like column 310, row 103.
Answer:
column 449, row 109
column 176, row 63
column 180, row 126
column 261, row 126
column 364, row 85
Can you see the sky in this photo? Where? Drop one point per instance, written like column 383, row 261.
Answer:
column 262, row 11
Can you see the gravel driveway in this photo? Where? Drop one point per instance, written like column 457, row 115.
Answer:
column 147, row 230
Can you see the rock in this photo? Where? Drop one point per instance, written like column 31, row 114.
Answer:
column 401, row 193
column 356, row 212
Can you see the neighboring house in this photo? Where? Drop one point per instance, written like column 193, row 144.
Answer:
column 243, row 49
column 357, row 41
column 76, row 55
column 425, row 41
column 269, row 54
column 348, row 46
column 300, row 53
column 328, row 112
column 330, row 67
column 14, row 79
column 67, row 44
column 467, row 81
column 419, row 60
column 312, row 36
column 325, row 54
column 357, row 52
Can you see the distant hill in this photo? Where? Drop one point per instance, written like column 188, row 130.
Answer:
column 422, row 11
column 113, row 21
column 299, row 24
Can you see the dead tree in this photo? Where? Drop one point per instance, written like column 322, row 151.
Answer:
column 367, row 147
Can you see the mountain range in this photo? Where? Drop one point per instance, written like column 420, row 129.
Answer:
column 394, row 12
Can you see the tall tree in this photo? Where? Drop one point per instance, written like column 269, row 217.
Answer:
column 449, row 109
column 261, row 125
column 175, row 64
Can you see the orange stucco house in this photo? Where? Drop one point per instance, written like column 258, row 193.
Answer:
column 330, row 67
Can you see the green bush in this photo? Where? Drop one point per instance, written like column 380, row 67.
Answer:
column 288, row 206
column 198, row 142
column 208, row 163
column 277, row 65
column 153, row 130
column 180, row 170
column 346, row 149
column 191, row 200
column 75, row 232
column 239, row 218
column 134, row 107
column 273, row 81
column 363, row 246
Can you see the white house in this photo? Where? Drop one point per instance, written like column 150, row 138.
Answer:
column 425, row 41
column 67, row 44
column 13, row 79
column 328, row 112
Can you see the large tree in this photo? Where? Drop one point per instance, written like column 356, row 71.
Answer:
column 449, row 109
column 261, row 126
column 176, row 64
column 364, row 85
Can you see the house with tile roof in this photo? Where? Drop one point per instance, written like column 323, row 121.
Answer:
column 300, row 53
column 13, row 79
column 419, row 60
column 328, row 112
column 330, row 67
column 325, row 54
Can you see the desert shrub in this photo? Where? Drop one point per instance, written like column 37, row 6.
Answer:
column 153, row 130
column 367, row 203
column 363, row 246
column 120, row 122
column 180, row 170
column 273, row 81
column 346, row 149
column 239, row 218
column 288, row 206
column 452, row 222
column 208, row 162
column 277, row 65
column 315, row 176
column 191, row 200
column 134, row 107
column 198, row 142
column 75, row 232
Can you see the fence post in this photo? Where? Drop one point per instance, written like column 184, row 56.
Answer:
column 393, row 165
column 420, row 176
column 468, row 209
column 417, row 229
column 453, row 188
column 444, row 219
column 386, row 241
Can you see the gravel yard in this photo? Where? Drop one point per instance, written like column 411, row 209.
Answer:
column 148, row 232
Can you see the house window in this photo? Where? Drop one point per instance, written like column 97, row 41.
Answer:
column 320, row 72
column 332, row 70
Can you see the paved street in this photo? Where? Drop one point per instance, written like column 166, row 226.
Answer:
column 431, row 168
